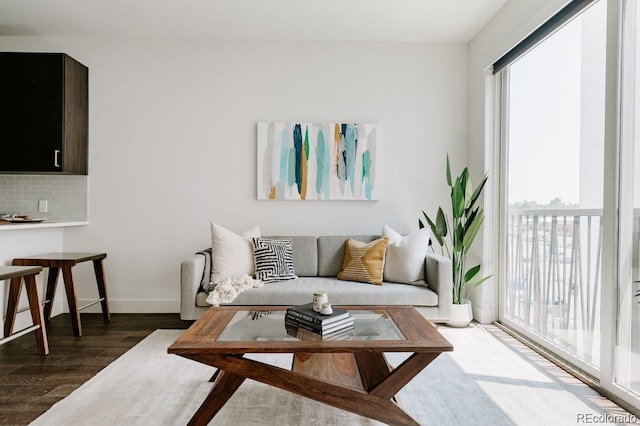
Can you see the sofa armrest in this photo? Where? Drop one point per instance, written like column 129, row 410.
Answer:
column 191, row 271
column 439, row 277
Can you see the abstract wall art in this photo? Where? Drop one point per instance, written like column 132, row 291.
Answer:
column 311, row 161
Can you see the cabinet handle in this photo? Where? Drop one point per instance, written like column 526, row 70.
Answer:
column 55, row 158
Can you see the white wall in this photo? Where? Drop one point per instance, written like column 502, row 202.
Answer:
column 172, row 143
column 516, row 20
column 25, row 242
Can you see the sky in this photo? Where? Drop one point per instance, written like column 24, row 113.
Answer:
column 545, row 118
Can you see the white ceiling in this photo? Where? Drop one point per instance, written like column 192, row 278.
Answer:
column 340, row 20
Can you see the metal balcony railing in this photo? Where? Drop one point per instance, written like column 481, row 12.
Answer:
column 553, row 276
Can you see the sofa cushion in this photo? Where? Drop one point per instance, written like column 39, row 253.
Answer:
column 363, row 262
column 331, row 252
column 300, row 291
column 404, row 261
column 305, row 255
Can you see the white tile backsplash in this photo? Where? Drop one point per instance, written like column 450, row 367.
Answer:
column 66, row 196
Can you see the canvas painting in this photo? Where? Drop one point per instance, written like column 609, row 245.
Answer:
column 310, row 161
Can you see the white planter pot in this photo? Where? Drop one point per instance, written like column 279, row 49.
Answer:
column 461, row 315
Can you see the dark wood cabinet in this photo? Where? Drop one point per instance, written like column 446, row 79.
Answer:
column 44, row 100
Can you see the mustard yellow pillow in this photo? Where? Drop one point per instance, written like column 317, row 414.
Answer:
column 364, row 262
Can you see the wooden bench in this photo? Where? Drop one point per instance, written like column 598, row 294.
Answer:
column 66, row 261
column 18, row 275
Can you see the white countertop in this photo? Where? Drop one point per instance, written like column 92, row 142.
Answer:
column 41, row 225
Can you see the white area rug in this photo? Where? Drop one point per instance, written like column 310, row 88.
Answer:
column 482, row 382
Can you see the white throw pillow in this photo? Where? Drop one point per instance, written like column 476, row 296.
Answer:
column 231, row 254
column 404, row 261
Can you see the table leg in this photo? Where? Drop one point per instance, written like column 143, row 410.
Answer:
column 52, row 283
column 36, row 313
column 344, row 397
column 225, row 386
column 402, row 375
column 102, row 288
column 12, row 305
column 72, row 298
column 373, row 367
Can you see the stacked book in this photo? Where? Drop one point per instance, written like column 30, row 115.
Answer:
column 303, row 321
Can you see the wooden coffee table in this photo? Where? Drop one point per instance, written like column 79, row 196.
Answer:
column 349, row 372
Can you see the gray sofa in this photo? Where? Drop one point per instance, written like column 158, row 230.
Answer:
column 317, row 261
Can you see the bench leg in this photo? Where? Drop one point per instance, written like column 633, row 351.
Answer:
column 52, row 283
column 72, row 298
column 37, row 314
column 102, row 288
column 12, row 305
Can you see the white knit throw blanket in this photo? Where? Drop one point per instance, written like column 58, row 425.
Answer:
column 228, row 289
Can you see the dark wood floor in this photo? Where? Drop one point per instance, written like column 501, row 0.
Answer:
column 30, row 384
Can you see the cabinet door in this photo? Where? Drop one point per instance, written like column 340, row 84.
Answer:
column 76, row 117
column 31, row 112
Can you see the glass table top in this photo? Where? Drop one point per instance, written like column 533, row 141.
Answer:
column 270, row 326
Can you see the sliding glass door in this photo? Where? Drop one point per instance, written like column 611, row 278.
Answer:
column 553, row 139
column 627, row 344
column 570, row 190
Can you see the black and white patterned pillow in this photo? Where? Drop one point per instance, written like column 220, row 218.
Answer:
column 274, row 259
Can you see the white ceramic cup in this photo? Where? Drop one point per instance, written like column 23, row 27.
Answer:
column 326, row 309
column 319, row 299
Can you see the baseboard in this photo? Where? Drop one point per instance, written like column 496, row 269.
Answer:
column 483, row 316
column 132, row 306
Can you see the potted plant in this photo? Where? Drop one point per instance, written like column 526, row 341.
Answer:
column 456, row 234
